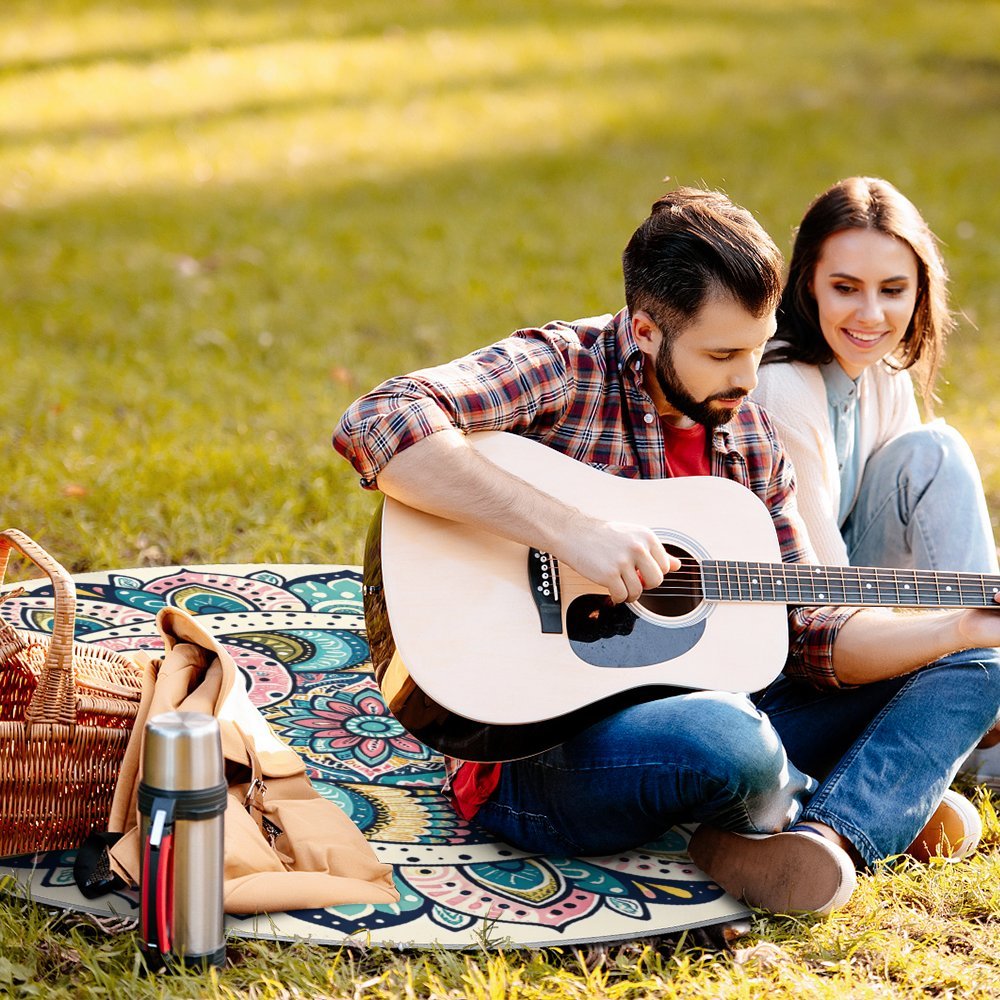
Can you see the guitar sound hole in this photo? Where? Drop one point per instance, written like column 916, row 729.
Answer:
column 680, row 593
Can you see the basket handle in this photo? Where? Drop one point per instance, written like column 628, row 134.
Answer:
column 54, row 700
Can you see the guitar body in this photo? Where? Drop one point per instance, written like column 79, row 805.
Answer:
column 459, row 639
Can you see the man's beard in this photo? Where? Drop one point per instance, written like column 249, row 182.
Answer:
column 680, row 399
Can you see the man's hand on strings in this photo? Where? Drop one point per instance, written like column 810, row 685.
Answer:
column 624, row 558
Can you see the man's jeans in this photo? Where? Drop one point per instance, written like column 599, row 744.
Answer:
column 626, row 780
column 883, row 755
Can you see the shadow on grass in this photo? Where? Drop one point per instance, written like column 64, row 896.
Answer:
column 240, row 24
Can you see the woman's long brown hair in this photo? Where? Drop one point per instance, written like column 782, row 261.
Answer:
column 866, row 203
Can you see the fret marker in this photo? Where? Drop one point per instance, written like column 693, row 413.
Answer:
column 753, row 579
column 868, row 586
column 947, row 588
column 780, row 582
column 822, row 597
column 906, row 586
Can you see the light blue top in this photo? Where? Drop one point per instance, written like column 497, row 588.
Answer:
column 842, row 402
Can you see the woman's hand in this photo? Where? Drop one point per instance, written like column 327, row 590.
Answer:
column 980, row 627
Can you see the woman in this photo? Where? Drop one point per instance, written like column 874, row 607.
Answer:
column 865, row 305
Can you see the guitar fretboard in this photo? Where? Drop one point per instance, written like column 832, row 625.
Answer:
column 800, row 583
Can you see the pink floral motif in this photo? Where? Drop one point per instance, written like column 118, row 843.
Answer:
column 360, row 728
column 179, row 588
column 544, row 900
column 349, row 727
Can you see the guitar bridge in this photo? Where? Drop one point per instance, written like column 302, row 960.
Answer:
column 543, row 578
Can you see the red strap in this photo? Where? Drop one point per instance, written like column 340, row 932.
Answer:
column 157, row 890
column 165, row 893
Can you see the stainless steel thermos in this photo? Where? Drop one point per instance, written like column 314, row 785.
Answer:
column 182, row 801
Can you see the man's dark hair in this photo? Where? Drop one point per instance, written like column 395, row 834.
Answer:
column 694, row 244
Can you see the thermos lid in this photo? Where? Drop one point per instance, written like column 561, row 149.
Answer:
column 182, row 752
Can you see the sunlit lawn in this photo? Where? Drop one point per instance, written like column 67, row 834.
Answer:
column 222, row 221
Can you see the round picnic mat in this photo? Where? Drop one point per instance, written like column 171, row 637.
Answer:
column 297, row 634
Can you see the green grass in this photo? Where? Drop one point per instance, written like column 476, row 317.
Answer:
column 911, row 932
column 221, row 221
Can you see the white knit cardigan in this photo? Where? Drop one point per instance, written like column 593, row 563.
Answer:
column 794, row 395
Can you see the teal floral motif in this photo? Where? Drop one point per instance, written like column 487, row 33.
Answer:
column 305, row 649
column 596, row 878
column 628, row 908
column 330, row 595
column 124, row 590
column 518, row 876
column 450, row 918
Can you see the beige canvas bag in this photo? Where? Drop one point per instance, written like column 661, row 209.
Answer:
column 286, row 847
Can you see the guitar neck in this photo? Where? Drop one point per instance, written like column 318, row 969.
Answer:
column 801, row 583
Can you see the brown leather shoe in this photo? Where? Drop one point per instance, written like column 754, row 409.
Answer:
column 788, row 872
column 953, row 832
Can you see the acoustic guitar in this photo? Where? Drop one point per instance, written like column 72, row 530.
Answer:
column 485, row 649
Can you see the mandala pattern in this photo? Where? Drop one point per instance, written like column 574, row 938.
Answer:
column 297, row 635
column 345, row 733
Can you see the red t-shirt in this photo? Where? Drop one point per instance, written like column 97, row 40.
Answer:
column 686, row 455
column 472, row 785
column 686, row 450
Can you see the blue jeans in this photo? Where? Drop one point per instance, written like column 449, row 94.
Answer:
column 694, row 756
column 885, row 752
column 921, row 506
column 872, row 762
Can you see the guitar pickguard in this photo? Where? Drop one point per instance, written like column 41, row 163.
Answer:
column 612, row 635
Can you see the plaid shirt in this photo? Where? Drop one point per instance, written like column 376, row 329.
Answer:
column 577, row 387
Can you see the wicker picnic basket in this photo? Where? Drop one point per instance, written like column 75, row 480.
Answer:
column 66, row 712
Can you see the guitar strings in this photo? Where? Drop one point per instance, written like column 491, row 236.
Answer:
column 690, row 581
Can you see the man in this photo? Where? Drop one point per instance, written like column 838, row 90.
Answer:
column 852, row 749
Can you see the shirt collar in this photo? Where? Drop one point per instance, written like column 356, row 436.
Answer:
column 632, row 361
column 630, row 357
column 722, row 439
column 840, row 387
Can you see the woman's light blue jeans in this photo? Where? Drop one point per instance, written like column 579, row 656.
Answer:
column 920, row 505
column 885, row 752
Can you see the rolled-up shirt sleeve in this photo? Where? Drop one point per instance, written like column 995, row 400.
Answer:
column 812, row 632
column 517, row 383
